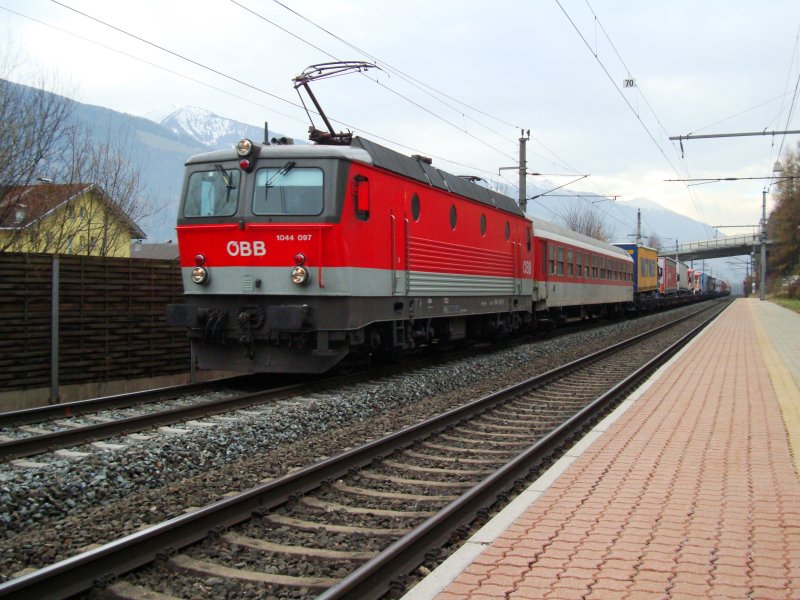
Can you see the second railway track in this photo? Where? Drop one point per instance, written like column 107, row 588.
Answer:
column 349, row 525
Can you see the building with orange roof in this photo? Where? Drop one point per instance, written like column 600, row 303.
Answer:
column 53, row 218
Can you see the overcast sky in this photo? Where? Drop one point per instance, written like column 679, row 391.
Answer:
column 555, row 67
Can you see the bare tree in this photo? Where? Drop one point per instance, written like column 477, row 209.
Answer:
column 587, row 220
column 31, row 118
column 654, row 241
column 39, row 136
column 107, row 165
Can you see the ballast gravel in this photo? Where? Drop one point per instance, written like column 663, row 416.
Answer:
column 58, row 508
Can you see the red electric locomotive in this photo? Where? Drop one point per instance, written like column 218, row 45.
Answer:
column 297, row 257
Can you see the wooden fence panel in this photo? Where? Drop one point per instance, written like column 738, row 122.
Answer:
column 112, row 319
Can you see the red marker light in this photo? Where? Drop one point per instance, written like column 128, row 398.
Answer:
column 244, row 164
column 199, row 260
column 299, row 258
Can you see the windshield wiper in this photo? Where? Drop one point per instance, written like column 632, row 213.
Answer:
column 284, row 170
column 226, row 179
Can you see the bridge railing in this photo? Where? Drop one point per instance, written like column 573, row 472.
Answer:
column 723, row 242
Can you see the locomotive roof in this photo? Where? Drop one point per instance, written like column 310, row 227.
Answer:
column 368, row 152
column 566, row 235
column 424, row 173
column 288, row 151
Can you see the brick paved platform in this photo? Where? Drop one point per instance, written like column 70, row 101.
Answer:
column 689, row 490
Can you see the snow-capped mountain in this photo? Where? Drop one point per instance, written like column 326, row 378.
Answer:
column 213, row 131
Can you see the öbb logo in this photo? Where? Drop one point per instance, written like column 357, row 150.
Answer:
column 256, row 248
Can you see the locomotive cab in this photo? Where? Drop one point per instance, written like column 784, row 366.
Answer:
column 254, row 236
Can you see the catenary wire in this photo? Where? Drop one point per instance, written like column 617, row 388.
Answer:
column 627, row 102
column 256, row 88
column 384, row 86
column 152, row 64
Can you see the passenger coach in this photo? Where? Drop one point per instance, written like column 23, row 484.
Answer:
column 577, row 276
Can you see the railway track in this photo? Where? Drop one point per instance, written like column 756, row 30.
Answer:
column 29, row 432
column 351, row 524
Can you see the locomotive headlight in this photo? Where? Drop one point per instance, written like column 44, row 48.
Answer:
column 299, row 275
column 199, row 275
column 244, row 147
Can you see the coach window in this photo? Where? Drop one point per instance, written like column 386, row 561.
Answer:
column 578, row 265
column 415, row 207
column 560, row 261
column 508, row 230
column 586, row 267
column 483, row 225
column 594, row 266
column 453, row 216
column 552, row 255
column 570, row 266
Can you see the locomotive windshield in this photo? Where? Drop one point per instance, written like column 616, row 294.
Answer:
column 212, row 193
column 288, row 190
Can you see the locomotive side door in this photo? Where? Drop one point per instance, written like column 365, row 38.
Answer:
column 400, row 232
column 542, row 268
column 399, row 241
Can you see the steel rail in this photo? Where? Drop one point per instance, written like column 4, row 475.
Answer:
column 38, row 414
column 47, row 442
column 79, row 573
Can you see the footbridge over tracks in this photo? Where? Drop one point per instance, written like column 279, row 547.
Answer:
column 735, row 245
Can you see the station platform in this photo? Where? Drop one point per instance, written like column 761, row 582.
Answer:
column 690, row 489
